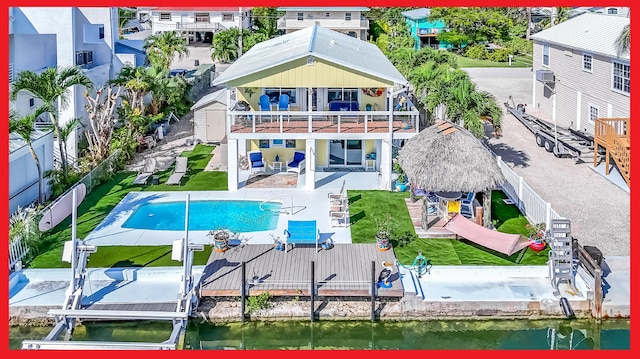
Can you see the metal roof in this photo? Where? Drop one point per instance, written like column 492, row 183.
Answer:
column 319, row 42
column 417, row 14
column 218, row 96
column 310, row 8
column 595, row 33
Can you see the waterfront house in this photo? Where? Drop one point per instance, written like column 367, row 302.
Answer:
column 344, row 108
column 347, row 20
column 423, row 30
column 23, row 173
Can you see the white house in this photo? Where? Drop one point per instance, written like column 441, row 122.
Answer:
column 44, row 37
column 196, row 22
column 578, row 74
column 342, row 109
column 23, row 173
column 347, row 20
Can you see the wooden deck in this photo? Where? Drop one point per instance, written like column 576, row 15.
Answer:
column 344, row 270
column 436, row 224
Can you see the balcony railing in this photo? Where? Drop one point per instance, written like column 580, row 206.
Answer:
column 331, row 23
column 200, row 25
column 614, row 135
column 351, row 122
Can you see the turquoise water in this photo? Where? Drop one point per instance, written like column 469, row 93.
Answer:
column 237, row 216
column 363, row 335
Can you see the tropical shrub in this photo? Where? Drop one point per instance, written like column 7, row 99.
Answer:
column 476, row 51
column 500, row 55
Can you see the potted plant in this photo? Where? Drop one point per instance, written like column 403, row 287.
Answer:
column 401, row 184
column 221, row 239
column 536, row 233
column 384, row 228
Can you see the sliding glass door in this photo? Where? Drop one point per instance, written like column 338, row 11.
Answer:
column 343, row 153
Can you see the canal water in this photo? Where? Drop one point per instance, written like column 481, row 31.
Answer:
column 361, row 335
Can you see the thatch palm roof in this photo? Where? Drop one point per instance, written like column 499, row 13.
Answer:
column 446, row 157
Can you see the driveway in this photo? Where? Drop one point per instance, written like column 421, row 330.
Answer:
column 598, row 209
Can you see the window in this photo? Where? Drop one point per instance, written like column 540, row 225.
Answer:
column 621, row 77
column 165, row 16
column 342, row 95
column 593, row 112
column 300, row 16
column 545, row 54
column 326, row 14
column 227, row 17
column 612, row 11
column 352, row 34
column 101, row 32
column 347, row 16
column 263, row 143
column 587, row 62
column 202, row 17
column 274, row 95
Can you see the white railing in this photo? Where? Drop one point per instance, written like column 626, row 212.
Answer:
column 17, row 251
column 534, row 207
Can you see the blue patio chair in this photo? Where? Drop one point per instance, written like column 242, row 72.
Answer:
column 302, row 232
column 283, row 103
column 256, row 162
column 466, row 205
column 297, row 163
column 265, row 105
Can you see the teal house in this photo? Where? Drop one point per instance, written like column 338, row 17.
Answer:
column 424, row 31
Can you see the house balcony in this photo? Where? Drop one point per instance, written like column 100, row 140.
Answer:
column 200, row 26
column 373, row 124
column 335, row 24
column 428, row 31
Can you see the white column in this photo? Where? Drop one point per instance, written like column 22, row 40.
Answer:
column 232, row 161
column 578, row 109
column 533, row 98
column 310, row 165
column 385, row 164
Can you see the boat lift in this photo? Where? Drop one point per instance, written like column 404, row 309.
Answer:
column 563, row 142
column 77, row 253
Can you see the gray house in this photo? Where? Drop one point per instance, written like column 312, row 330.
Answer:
column 577, row 63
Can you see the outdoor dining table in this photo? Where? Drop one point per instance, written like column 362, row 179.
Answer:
column 446, row 198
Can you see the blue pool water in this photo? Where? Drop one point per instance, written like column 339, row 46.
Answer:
column 237, row 216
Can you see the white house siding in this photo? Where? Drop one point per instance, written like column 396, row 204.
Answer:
column 595, row 87
column 185, row 19
column 23, row 173
column 335, row 21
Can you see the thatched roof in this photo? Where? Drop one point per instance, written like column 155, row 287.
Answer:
column 446, row 157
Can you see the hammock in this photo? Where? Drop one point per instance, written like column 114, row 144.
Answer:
column 500, row 242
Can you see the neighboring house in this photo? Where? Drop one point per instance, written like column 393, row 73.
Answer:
column 44, row 37
column 424, row 31
column 331, row 79
column 196, row 22
column 210, row 117
column 347, row 20
column 607, row 10
column 131, row 52
column 23, row 173
column 576, row 62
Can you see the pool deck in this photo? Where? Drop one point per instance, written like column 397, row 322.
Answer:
column 306, row 206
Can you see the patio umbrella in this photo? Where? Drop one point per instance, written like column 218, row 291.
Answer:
column 447, row 158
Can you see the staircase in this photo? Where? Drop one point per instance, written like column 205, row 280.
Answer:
column 613, row 135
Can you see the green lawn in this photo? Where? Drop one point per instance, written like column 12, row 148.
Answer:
column 518, row 61
column 364, row 206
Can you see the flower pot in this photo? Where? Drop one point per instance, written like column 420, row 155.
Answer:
column 401, row 187
column 537, row 245
column 382, row 243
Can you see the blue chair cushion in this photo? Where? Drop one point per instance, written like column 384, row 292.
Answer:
column 294, row 164
column 257, row 164
column 255, row 157
column 297, row 157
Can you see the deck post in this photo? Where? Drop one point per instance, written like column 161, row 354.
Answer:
column 312, row 291
column 243, row 290
column 373, row 291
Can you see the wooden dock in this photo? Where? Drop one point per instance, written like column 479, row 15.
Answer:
column 344, row 270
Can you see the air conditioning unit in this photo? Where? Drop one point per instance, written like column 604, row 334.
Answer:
column 84, row 57
column 545, row 76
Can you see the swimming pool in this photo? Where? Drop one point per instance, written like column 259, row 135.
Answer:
column 235, row 215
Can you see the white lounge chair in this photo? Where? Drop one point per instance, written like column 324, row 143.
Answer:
column 297, row 163
column 146, row 172
column 179, row 171
column 339, row 212
column 340, row 195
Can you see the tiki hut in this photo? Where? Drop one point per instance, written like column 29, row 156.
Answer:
column 447, row 158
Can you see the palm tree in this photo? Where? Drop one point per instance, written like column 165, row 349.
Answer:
column 24, row 127
column 137, row 82
column 225, row 45
column 162, row 48
column 52, row 86
column 623, row 41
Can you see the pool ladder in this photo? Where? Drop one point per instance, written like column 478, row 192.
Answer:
column 283, row 209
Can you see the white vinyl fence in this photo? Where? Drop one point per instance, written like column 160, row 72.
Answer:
column 534, row 207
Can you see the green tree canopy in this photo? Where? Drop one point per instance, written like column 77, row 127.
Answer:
column 476, row 23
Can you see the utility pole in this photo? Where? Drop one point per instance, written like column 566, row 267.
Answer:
column 528, row 33
column 554, row 15
column 240, row 27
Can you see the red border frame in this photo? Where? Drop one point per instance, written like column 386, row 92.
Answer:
column 274, row 3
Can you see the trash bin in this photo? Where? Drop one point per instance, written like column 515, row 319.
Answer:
column 160, row 132
column 196, row 62
column 155, row 180
column 595, row 253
